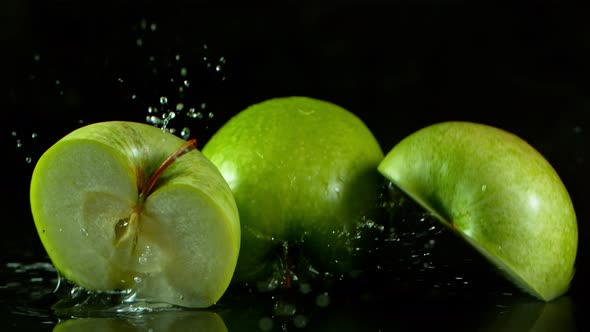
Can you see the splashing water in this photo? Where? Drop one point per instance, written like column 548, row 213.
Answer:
column 182, row 77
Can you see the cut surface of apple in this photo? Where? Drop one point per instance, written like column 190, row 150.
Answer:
column 498, row 193
column 176, row 242
column 302, row 171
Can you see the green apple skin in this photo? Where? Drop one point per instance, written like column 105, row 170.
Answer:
column 180, row 245
column 302, row 171
column 498, row 193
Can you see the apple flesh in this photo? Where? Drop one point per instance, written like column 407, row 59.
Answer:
column 498, row 193
column 302, row 172
column 125, row 206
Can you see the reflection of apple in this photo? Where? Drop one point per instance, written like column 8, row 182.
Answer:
column 121, row 205
column 166, row 321
column 520, row 315
column 302, row 171
column 498, row 193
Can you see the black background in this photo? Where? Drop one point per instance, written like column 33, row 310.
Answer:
column 399, row 65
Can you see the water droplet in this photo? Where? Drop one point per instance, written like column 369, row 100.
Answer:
column 19, row 144
column 484, row 187
column 153, row 26
column 84, row 231
column 203, row 106
column 137, row 279
column 36, row 57
column 211, row 115
column 153, row 120
column 265, row 324
column 139, row 42
column 305, row 288
column 185, row 133
column 28, row 160
column 133, row 97
column 145, row 255
column 218, row 68
column 284, row 309
column 61, row 229
column 300, row 321
column 322, row 300
column 13, row 133
column 183, row 71
column 163, row 100
column 186, row 83
column 177, row 57
column 179, row 106
column 34, row 135
column 181, row 297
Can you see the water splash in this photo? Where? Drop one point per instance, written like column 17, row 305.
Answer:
column 180, row 77
column 414, row 253
column 77, row 301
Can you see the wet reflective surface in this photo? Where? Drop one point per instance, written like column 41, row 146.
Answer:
column 188, row 66
column 416, row 276
column 26, row 299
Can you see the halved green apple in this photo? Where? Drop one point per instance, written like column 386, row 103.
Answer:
column 302, row 171
column 122, row 205
column 498, row 193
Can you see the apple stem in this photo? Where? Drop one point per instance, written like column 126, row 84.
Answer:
column 185, row 148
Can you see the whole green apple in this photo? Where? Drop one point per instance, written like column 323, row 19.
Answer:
column 302, row 172
column 125, row 206
column 498, row 193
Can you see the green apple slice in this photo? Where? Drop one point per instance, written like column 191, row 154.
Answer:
column 122, row 205
column 498, row 193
